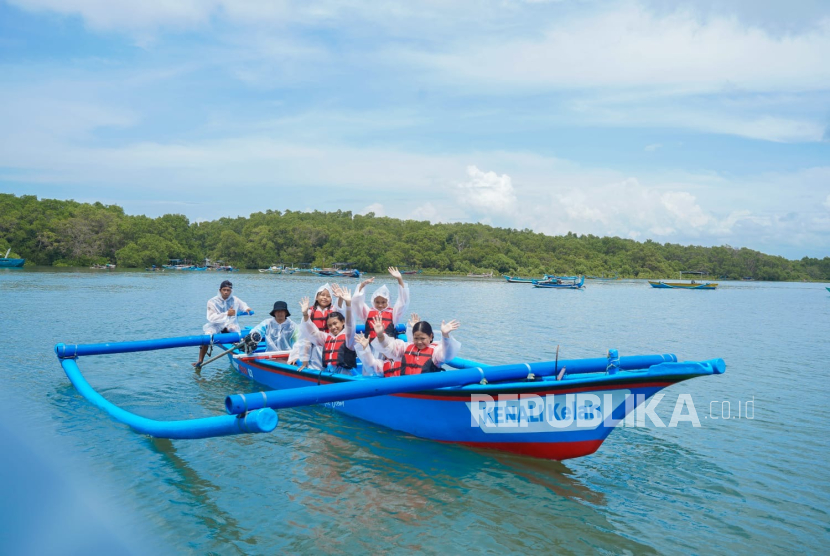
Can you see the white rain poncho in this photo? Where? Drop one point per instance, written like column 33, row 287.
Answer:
column 316, row 338
column 445, row 349
column 372, row 366
column 308, row 351
column 278, row 337
column 217, row 314
column 361, row 309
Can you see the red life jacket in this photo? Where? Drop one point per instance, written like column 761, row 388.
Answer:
column 415, row 362
column 388, row 325
column 320, row 318
column 391, row 368
column 337, row 354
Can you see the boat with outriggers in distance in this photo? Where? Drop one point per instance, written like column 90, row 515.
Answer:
column 517, row 279
column 557, row 409
column 564, row 283
column 693, row 284
column 6, row 262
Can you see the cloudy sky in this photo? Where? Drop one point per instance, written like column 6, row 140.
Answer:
column 698, row 122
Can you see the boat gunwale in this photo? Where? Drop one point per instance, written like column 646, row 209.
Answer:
column 574, row 383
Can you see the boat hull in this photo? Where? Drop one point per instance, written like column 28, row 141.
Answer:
column 682, row 285
column 11, row 263
column 445, row 415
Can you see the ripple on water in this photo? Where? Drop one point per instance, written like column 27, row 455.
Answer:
column 326, row 482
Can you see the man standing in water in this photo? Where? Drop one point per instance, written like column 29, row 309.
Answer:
column 221, row 315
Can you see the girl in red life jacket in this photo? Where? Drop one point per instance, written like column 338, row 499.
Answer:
column 338, row 355
column 392, row 316
column 319, row 312
column 310, row 355
column 375, row 363
column 377, row 367
column 422, row 354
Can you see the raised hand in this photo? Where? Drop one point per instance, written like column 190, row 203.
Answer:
column 396, row 274
column 304, row 306
column 365, row 282
column 342, row 293
column 377, row 324
column 447, row 327
column 414, row 319
column 362, row 339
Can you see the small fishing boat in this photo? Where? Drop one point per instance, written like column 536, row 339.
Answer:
column 103, row 266
column 554, row 277
column 828, row 289
column 691, row 285
column 561, row 283
column 472, row 275
column 517, row 280
column 154, row 268
column 325, row 272
column 549, row 409
column 603, row 277
column 411, row 271
column 179, row 264
column 6, row 262
column 279, row 268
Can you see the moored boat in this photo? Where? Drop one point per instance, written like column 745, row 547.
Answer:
column 691, row 285
column 6, row 262
column 517, row 280
column 561, row 283
column 472, row 275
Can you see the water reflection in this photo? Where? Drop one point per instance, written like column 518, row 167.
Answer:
column 223, row 526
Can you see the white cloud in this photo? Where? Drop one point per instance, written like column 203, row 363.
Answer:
column 375, row 208
column 652, row 148
column 487, row 192
column 629, row 46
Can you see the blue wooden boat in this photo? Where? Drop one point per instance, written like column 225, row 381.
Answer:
column 517, row 280
column 561, row 283
column 549, row 409
column 691, row 285
column 603, row 278
column 683, row 286
column 554, row 277
column 6, row 262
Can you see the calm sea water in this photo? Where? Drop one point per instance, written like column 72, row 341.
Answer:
column 75, row 480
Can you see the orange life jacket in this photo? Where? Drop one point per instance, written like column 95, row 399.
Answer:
column 391, row 368
column 336, row 353
column 320, row 318
column 415, row 362
column 388, row 325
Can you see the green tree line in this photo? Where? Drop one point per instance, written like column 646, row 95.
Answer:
column 68, row 233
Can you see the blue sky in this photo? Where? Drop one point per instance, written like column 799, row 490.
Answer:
column 696, row 122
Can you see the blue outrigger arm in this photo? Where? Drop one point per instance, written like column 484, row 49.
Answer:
column 277, row 399
column 263, row 420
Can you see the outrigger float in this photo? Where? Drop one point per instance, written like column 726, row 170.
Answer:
column 550, row 409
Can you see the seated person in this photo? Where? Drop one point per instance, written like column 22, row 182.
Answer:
column 421, row 354
column 338, row 355
column 222, row 311
column 381, row 306
column 279, row 332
